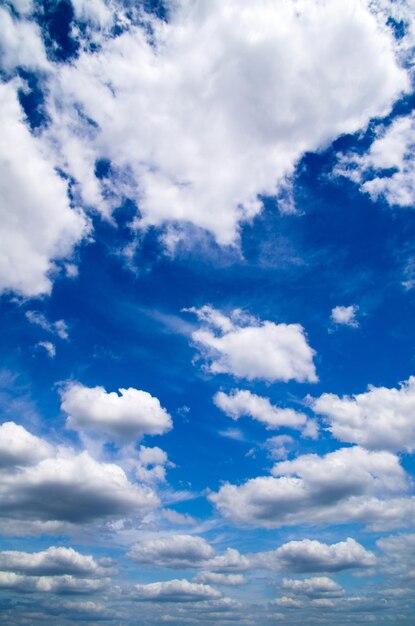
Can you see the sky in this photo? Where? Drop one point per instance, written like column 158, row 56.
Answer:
column 207, row 278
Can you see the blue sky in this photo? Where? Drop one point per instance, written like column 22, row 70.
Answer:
column 207, row 277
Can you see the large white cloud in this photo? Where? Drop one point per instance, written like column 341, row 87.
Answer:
column 67, row 488
column 314, row 556
column 248, row 348
column 387, row 170
column 380, row 418
column 218, row 105
column 348, row 484
column 175, row 591
column 242, row 402
column 175, row 551
column 129, row 415
column 38, row 224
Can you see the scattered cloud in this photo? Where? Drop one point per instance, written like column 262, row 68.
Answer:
column 245, row 347
column 345, row 315
column 348, row 484
column 380, row 418
column 175, row 551
column 175, row 591
column 124, row 416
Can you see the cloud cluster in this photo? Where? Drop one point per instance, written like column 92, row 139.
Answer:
column 348, row 484
column 55, row 570
column 387, row 170
column 38, row 224
column 248, row 348
column 50, row 487
column 125, row 416
column 208, row 114
column 381, row 418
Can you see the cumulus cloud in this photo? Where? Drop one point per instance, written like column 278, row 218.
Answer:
column 208, row 114
column 248, row 348
column 348, row 484
column 308, row 556
column 18, row 447
column 151, row 465
column 345, row 315
column 59, row 485
column 55, row 561
column 128, row 415
column 318, row 587
column 51, row 584
column 381, row 418
column 38, row 224
column 175, row 591
column 242, row 402
column 175, row 551
column 387, row 170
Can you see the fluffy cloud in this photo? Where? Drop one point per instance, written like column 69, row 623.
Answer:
column 345, row 315
column 38, row 224
column 129, row 415
column 209, row 114
column 175, row 591
column 380, row 418
column 152, row 463
column 387, row 170
column 19, row 447
column 65, row 487
column 348, row 484
column 55, row 561
column 51, row 584
column 242, row 402
column 247, row 348
column 175, row 551
column 318, row 587
column 313, row 556
column 21, row 44
column 398, row 556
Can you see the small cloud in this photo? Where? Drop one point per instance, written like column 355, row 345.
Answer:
column 232, row 433
column 49, row 347
column 58, row 328
column 345, row 315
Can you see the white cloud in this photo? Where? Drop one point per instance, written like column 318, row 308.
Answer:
column 230, row 561
column 51, row 584
column 308, row 556
column 175, row 591
column 242, row 402
column 63, row 487
column 55, row 561
column 345, row 315
column 320, row 586
column 248, row 348
column 21, row 43
column 210, row 114
column 38, row 224
column 348, row 484
column 393, row 150
column 129, row 415
column 151, row 465
column 59, row 328
column 380, row 418
column 18, row 447
column 215, row 578
column 175, row 551
column 49, row 347
column 398, row 556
